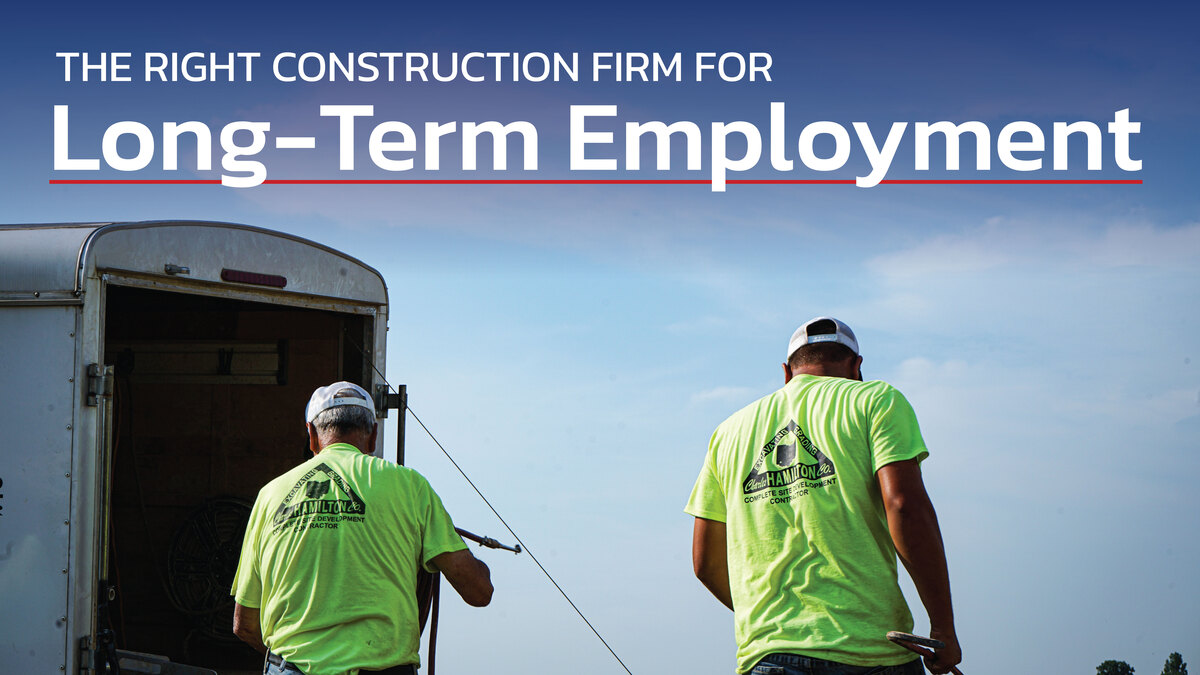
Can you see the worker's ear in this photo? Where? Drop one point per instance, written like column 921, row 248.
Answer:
column 371, row 442
column 858, row 368
column 787, row 373
column 314, row 443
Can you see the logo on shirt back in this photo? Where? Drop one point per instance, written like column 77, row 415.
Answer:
column 320, row 499
column 794, row 457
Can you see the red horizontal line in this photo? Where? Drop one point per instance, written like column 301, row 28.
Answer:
column 1004, row 181
column 105, row 181
column 595, row 181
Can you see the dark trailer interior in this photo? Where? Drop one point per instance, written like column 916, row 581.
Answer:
column 208, row 404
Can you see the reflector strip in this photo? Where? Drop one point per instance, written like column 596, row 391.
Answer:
column 253, row 278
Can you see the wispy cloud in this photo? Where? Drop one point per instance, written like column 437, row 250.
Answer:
column 1001, row 242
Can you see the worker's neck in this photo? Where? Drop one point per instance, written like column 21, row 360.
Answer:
column 356, row 441
column 826, row 370
column 849, row 369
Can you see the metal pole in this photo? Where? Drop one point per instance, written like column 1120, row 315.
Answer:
column 402, row 395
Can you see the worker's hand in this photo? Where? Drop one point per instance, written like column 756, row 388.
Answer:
column 468, row 575
column 947, row 657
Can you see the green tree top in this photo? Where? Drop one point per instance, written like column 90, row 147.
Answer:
column 1111, row 667
column 1174, row 665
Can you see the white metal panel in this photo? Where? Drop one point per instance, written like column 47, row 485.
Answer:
column 379, row 359
column 207, row 248
column 41, row 260
column 43, row 263
column 37, row 355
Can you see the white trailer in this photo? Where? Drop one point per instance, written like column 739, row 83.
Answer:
column 152, row 378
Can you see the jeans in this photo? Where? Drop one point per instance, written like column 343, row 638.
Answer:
column 794, row 664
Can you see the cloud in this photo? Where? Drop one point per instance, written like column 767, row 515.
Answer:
column 1003, row 242
column 1067, row 292
column 1144, row 245
column 956, row 390
column 1059, row 349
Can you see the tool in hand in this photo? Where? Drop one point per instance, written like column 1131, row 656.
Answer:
column 486, row 541
column 918, row 645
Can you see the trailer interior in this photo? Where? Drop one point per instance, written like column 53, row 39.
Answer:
column 208, row 403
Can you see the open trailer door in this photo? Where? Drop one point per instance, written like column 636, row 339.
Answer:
column 195, row 347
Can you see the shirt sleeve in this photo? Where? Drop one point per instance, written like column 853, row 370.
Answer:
column 895, row 435
column 438, row 535
column 708, row 495
column 247, row 583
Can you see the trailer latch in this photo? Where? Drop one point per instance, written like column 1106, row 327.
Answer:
column 100, row 383
column 386, row 400
column 102, row 659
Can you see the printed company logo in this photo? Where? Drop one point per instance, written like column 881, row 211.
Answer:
column 321, row 498
column 790, row 469
column 315, row 489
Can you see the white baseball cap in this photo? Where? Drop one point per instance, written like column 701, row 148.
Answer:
column 822, row 329
column 334, row 395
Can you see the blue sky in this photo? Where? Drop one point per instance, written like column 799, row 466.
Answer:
column 574, row 346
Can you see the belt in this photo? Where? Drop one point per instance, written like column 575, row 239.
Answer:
column 277, row 660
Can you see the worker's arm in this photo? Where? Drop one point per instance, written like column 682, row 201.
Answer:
column 246, row 627
column 709, row 560
column 469, row 576
column 914, row 527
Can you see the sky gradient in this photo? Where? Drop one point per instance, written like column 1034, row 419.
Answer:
column 574, row 346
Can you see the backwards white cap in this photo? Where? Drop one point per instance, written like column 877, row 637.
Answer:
column 336, row 394
column 822, row 329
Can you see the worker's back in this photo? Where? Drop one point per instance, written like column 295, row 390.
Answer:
column 812, row 567
column 338, row 541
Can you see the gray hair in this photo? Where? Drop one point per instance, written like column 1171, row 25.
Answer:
column 345, row 419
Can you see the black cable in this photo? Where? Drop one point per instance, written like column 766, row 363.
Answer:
column 470, row 482
column 524, row 547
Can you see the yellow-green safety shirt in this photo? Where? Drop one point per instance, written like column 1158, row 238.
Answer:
column 812, row 566
column 330, row 559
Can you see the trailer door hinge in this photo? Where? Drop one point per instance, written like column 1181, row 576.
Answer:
column 100, row 383
column 87, row 657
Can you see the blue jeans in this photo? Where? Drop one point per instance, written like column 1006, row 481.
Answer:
column 794, row 664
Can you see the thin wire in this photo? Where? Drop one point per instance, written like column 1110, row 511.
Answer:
column 524, row 547
column 470, row 482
